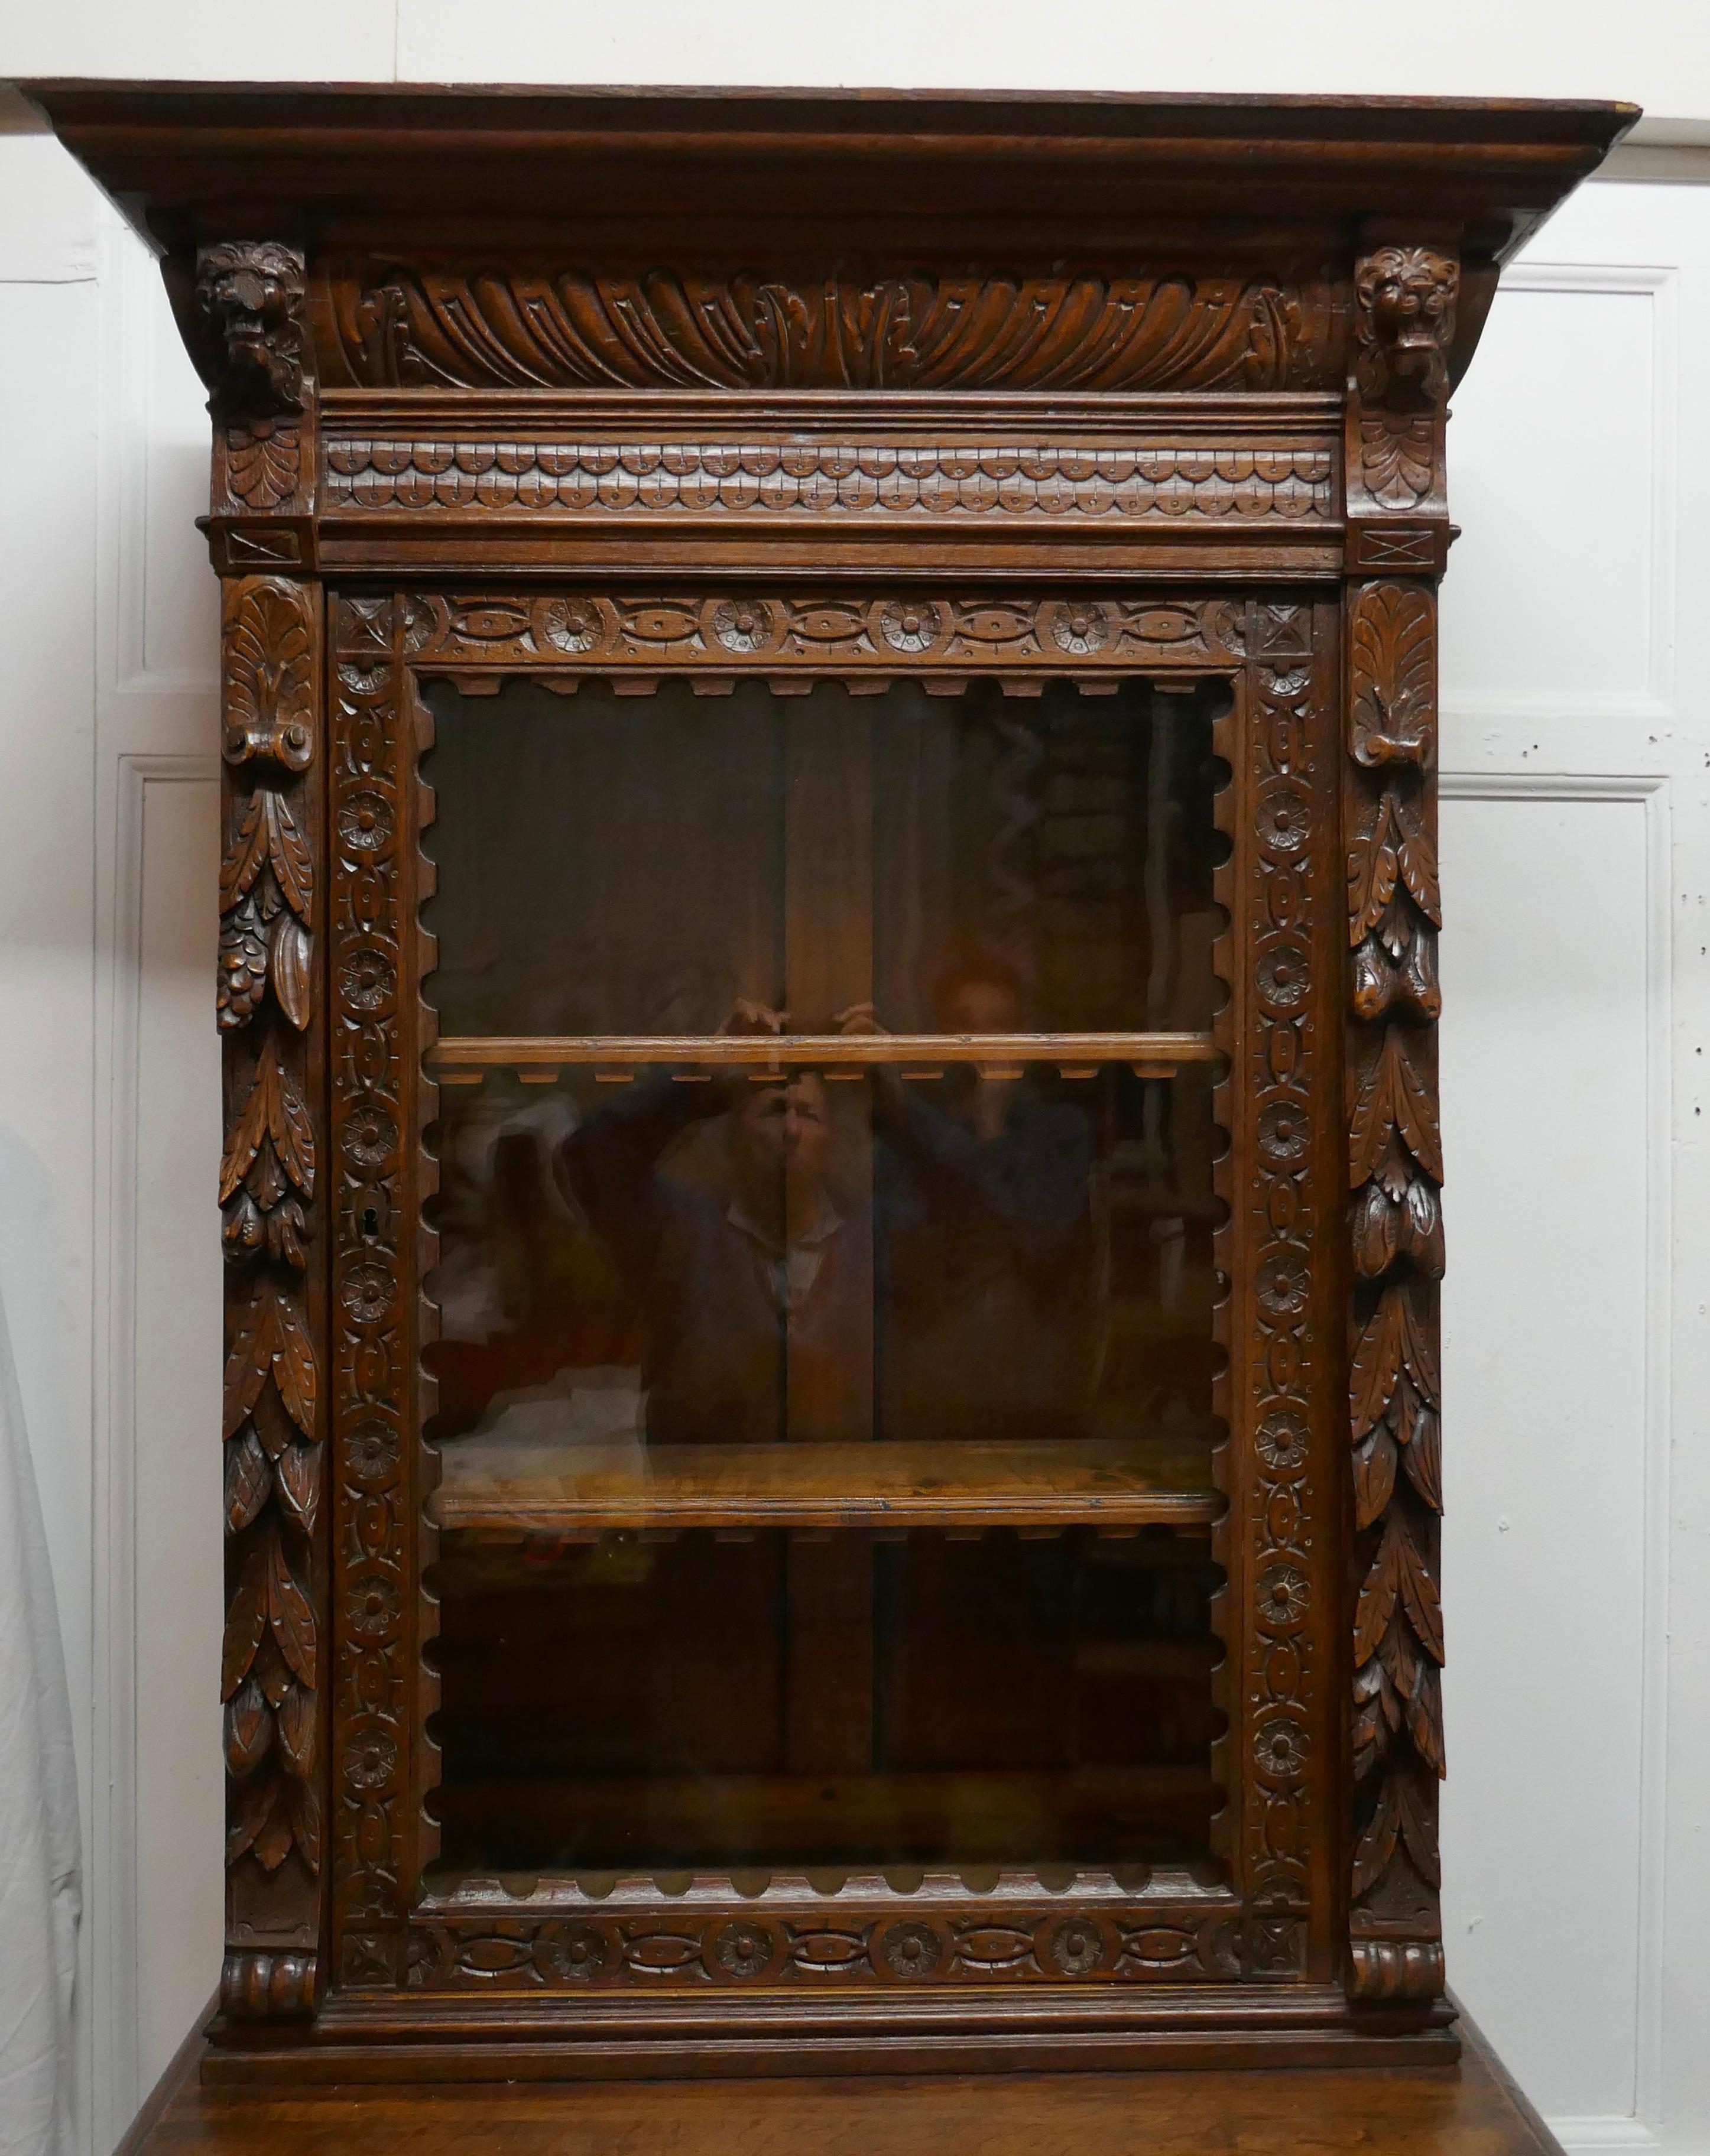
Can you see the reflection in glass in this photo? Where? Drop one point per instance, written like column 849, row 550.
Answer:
column 700, row 1316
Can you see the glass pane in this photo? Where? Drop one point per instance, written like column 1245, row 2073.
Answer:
column 640, row 1707
column 826, row 1150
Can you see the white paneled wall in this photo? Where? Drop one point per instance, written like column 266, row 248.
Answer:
column 1576, row 845
column 1576, row 852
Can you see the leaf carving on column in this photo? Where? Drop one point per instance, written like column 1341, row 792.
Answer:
column 1398, row 1214
column 1391, row 1100
column 1395, row 972
column 249, row 1480
column 1396, row 1170
column 269, row 678
column 289, row 950
column 272, row 1342
column 1394, row 849
column 275, row 1118
column 1394, row 698
column 269, row 838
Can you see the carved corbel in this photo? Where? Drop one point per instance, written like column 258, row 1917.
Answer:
column 1404, row 328
column 258, row 359
column 250, row 292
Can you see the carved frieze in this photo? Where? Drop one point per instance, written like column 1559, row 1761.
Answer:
column 889, row 479
column 500, row 327
column 904, row 629
column 803, row 1949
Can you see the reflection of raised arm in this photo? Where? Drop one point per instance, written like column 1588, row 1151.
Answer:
column 608, row 1166
column 1013, row 1168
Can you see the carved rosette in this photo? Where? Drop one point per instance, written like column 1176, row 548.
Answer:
column 1281, row 1677
column 1396, row 1172
column 272, row 1675
column 490, row 1950
column 840, row 635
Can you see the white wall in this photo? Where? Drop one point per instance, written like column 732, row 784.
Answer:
column 1576, row 843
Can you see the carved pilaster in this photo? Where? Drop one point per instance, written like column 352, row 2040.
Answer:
column 1404, row 321
column 272, row 1673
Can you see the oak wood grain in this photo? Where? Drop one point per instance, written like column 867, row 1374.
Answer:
column 498, row 1483
column 1468, row 2109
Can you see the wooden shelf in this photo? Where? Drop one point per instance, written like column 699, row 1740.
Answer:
column 699, row 1822
column 501, row 1487
column 465, row 1059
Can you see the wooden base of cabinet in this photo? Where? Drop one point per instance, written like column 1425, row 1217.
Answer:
column 1408, row 2096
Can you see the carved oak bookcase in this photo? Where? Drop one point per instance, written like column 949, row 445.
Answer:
column 831, row 1439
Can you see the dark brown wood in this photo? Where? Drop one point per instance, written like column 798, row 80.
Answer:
column 674, row 396
column 1469, row 2110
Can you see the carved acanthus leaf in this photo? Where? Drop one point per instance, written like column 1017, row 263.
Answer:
column 269, row 837
column 1403, row 1814
column 511, row 328
column 263, row 462
column 248, row 1480
column 270, row 684
column 272, row 1342
column 1398, row 1576
column 1393, row 1352
column 1391, row 1224
column 1395, row 700
column 1392, row 1100
column 1395, row 849
column 273, row 1115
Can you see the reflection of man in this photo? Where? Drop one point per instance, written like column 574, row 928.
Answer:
column 985, row 1184
column 755, row 1305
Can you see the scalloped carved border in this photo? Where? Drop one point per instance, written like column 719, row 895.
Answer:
column 891, row 479
column 380, row 1251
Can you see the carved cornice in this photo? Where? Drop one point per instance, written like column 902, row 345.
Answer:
column 514, row 327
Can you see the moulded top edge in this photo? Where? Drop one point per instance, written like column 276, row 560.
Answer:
column 211, row 153
column 631, row 109
column 1291, row 409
